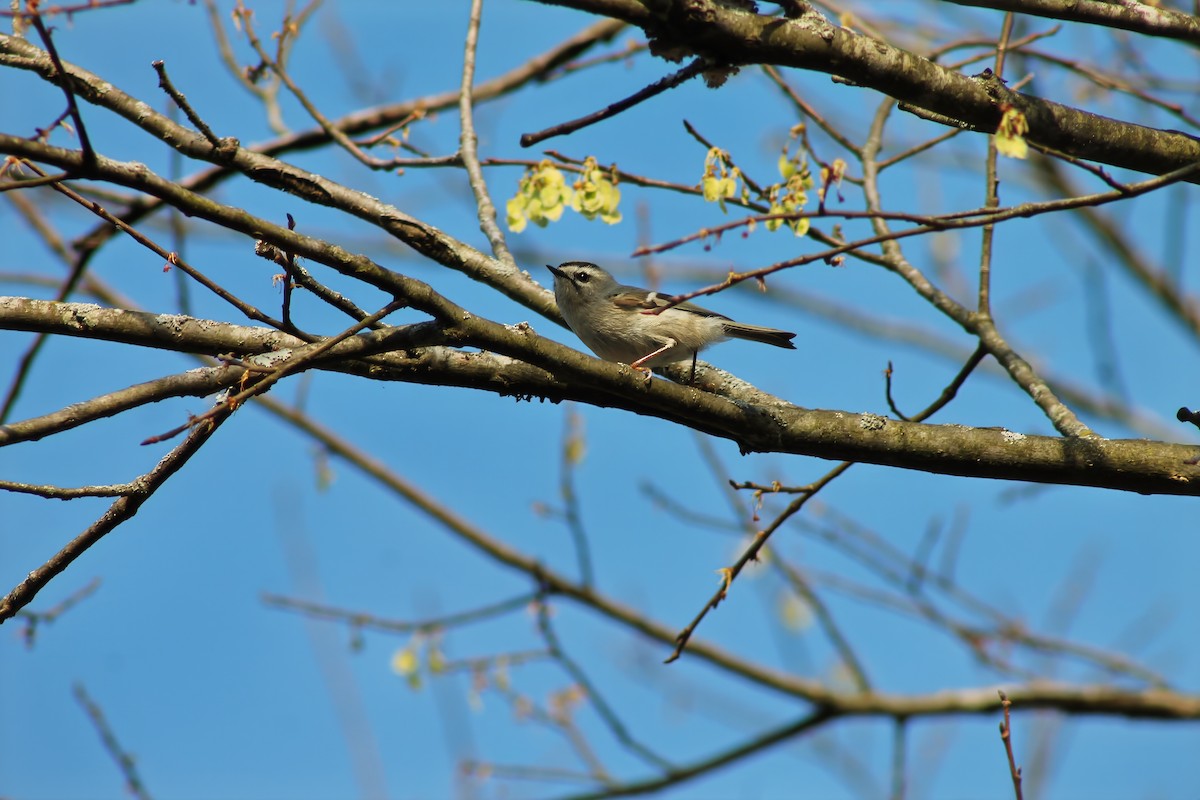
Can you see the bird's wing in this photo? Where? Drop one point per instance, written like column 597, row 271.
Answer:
column 633, row 298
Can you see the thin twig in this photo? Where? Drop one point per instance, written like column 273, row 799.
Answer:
column 120, row 511
column 330, row 128
column 468, row 143
column 899, row 758
column 991, row 187
column 948, row 393
column 751, row 554
column 298, row 359
column 124, row 761
column 172, row 259
column 820, row 609
column 658, row 87
column 33, row 183
column 1006, row 737
column 64, row 493
column 751, row 184
column 618, row 729
column 572, row 453
column 64, row 83
column 164, row 81
column 805, row 108
column 34, row 619
column 811, row 722
column 68, row 11
column 361, row 621
column 806, row 493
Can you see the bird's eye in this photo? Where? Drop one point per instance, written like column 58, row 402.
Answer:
column 582, row 277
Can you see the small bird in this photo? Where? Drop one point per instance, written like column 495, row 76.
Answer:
column 614, row 320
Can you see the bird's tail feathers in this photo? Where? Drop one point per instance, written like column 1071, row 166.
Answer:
column 757, row 333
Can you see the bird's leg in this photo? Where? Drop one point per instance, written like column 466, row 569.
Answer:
column 670, row 343
column 692, row 380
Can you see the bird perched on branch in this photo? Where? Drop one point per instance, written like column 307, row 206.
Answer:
column 622, row 323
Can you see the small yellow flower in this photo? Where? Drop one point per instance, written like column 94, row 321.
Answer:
column 1010, row 136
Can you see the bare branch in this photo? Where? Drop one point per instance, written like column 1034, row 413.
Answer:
column 753, row 419
column 120, row 511
column 124, row 761
column 468, row 143
column 1137, row 17
column 812, row 43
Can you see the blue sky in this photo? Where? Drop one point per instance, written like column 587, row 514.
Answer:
column 219, row 695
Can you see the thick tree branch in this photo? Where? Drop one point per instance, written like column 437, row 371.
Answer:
column 193, row 383
column 755, row 420
column 727, row 35
column 1137, row 17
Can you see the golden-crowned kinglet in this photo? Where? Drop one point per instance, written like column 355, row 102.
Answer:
column 614, row 320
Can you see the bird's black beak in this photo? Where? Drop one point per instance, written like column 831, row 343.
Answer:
column 558, row 273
